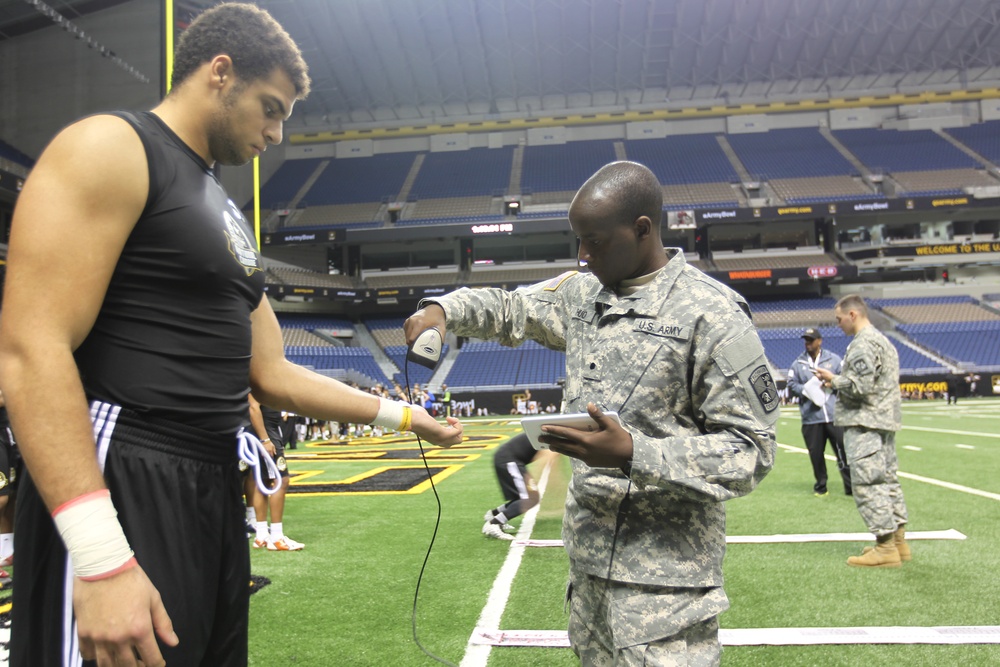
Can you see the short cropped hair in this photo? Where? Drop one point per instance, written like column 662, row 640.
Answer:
column 250, row 36
column 632, row 189
column 853, row 302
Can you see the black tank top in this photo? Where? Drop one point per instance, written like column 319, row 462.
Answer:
column 172, row 339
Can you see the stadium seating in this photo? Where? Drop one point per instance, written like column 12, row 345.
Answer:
column 903, row 151
column 484, row 364
column 967, row 343
column 782, row 346
column 281, row 188
column 524, row 274
column 789, row 153
column 296, row 321
column 358, row 216
column 383, row 279
column 306, row 278
column 564, row 167
column 468, row 173
column 941, row 182
column 808, row 312
column 387, row 331
column 821, row 189
column 983, row 138
column 467, row 207
column 684, row 159
column 778, row 259
column 935, row 309
column 362, row 179
column 15, row 156
column 418, row 374
column 358, row 359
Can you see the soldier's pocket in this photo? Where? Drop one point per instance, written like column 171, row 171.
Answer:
column 860, row 444
column 646, row 617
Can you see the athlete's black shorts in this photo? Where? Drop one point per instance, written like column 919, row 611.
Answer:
column 279, row 458
column 277, row 439
column 10, row 462
column 510, row 461
column 179, row 499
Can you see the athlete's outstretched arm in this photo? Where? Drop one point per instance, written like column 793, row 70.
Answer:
column 280, row 384
column 72, row 219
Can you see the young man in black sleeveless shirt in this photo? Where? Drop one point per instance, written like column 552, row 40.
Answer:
column 134, row 286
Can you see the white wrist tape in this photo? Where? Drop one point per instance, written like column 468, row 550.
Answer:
column 93, row 537
column 391, row 414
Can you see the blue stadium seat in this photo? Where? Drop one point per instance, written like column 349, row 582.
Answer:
column 565, row 166
column 983, row 138
column 468, row 173
column 684, row 159
column 911, row 150
column 789, row 153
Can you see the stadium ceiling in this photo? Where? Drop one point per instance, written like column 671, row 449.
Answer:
column 404, row 61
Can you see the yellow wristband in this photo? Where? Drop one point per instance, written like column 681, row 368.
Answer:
column 407, row 418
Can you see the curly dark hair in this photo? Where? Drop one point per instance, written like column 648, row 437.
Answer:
column 250, row 36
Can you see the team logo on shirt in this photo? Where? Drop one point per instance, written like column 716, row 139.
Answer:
column 240, row 245
column 764, row 387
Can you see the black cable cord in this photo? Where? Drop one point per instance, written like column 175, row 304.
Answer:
column 619, row 520
column 437, row 523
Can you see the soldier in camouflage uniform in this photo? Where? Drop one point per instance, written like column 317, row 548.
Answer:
column 869, row 411
column 675, row 354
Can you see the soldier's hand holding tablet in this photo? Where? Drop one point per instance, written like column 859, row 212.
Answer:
column 596, row 438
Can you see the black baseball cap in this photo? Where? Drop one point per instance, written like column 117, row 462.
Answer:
column 812, row 334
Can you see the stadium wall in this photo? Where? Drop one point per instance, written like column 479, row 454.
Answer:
column 49, row 78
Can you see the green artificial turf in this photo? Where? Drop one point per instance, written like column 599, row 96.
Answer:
column 347, row 598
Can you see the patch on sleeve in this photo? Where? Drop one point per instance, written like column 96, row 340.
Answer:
column 557, row 282
column 763, row 385
column 861, row 367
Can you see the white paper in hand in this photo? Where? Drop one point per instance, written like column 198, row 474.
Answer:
column 813, row 390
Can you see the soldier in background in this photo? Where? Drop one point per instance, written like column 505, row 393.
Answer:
column 675, row 354
column 870, row 412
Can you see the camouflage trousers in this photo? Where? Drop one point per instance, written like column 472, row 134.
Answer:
column 615, row 624
column 874, row 467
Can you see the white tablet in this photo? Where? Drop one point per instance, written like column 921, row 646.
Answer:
column 581, row 420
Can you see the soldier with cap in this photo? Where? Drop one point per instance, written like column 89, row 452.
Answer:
column 871, row 412
column 817, row 409
column 675, row 354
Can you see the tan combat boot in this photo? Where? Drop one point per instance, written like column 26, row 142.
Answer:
column 883, row 554
column 902, row 546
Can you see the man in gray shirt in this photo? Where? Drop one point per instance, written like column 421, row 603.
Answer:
column 870, row 412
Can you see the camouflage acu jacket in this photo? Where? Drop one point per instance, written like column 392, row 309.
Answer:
column 868, row 384
column 682, row 364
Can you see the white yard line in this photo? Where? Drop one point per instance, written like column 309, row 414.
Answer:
column 916, row 478
column 796, row 538
column 973, row 634
column 476, row 654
